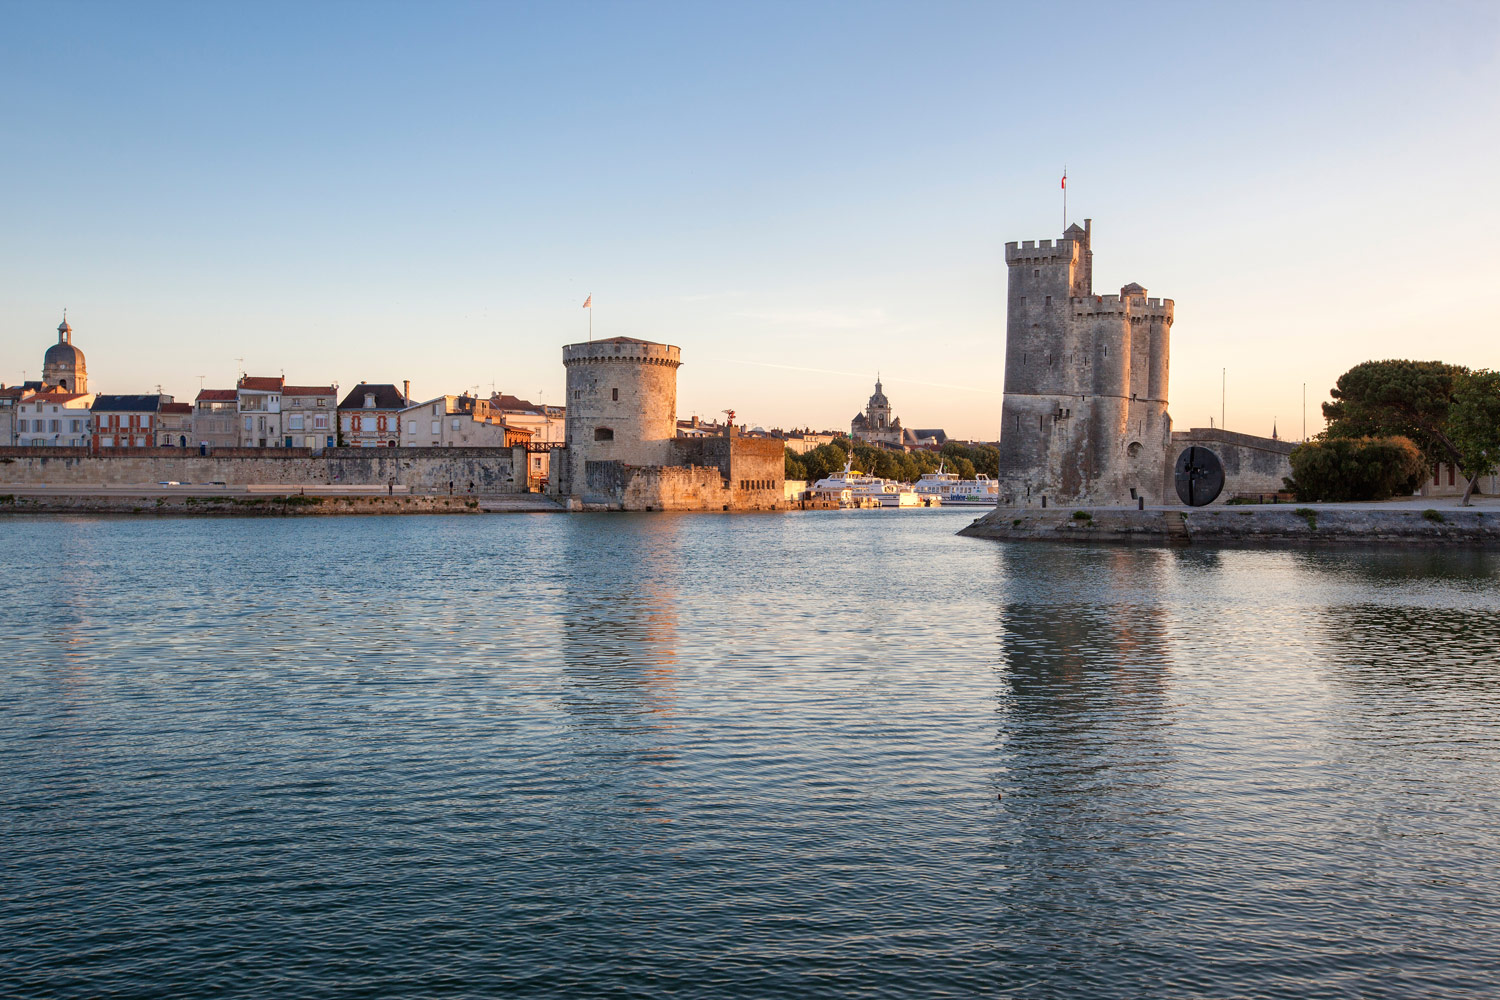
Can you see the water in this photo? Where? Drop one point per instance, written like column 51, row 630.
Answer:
column 806, row 755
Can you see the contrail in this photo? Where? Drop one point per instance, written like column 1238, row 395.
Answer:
column 829, row 371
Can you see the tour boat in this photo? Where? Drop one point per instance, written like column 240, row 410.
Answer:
column 861, row 487
column 981, row 491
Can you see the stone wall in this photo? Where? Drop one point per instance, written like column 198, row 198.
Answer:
column 1252, row 465
column 717, row 473
column 490, row 470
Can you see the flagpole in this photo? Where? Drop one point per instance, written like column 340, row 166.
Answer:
column 1065, row 197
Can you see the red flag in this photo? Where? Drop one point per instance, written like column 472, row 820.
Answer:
column 588, row 303
column 1065, row 182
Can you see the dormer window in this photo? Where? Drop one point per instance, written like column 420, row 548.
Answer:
column 369, row 401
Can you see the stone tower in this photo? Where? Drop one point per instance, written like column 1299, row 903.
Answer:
column 622, row 405
column 63, row 364
column 1085, row 412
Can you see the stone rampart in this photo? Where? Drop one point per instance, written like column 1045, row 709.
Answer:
column 489, row 470
column 1252, row 465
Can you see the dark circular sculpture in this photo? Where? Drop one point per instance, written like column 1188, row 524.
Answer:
column 1200, row 476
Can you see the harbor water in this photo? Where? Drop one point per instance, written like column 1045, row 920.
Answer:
column 821, row 754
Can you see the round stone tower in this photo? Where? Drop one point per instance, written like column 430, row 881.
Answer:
column 63, row 364
column 622, row 404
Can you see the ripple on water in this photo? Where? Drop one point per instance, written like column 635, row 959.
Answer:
column 811, row 755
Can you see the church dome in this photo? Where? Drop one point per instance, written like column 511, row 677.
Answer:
column 63, row 356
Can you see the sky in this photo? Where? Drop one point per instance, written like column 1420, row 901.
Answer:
column 799, row 195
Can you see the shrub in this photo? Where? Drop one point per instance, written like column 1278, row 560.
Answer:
column 1434, row 516
column 1355, row 469
column 1082, row 515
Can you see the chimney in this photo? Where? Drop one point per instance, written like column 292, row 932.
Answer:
column 406, row 392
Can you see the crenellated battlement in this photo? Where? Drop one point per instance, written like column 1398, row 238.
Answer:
column 1098, row 305
column 1045, row 251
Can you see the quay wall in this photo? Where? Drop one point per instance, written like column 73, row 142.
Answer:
column 490, row 470
column 1258, row 526
column 261, row 505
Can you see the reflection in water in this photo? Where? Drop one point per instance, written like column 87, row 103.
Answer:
column 619, row 664
column 1082, row 734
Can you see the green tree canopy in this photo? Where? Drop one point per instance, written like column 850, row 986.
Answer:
column 1474, row 424
column 1355, row 468
column 1409, row 399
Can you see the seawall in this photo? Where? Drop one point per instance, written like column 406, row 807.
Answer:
column 1284, row 525
column 482, row 470
column 235, row 505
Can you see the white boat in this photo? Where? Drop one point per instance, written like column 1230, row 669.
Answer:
column 861, row 487
column 981, row 491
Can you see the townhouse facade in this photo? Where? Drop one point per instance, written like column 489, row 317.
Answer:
column 309, row 416
column 216, row 419
column 54, row 419
column 126, row 421
column 176, row 425
column 259, row 401
column 370, row 415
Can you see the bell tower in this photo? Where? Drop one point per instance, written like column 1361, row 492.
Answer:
column 63, row 364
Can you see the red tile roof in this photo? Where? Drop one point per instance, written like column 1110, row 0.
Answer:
column 217, row 395
column 177, row 407
column 261, row 383
column 307, row 390
column 506, row 402
column 53, row 397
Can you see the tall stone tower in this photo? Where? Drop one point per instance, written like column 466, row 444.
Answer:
column 63, row 364
column 1085, row 412
column 622, row 405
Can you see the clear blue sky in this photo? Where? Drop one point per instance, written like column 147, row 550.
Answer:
column 797, row 194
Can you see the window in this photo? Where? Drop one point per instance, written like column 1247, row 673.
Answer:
column 603, row 434
column 322, row 401
column 320, row 422
column 294, row 422
column 615, row 394
column 249, row 424
column 434, row 409
column 56, row 425
column 455, row 423
column 437, row 425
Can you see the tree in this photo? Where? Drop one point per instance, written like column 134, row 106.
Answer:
column 1355, row 468
column 795, row 470
column 1409, row 399
column 1474, row 425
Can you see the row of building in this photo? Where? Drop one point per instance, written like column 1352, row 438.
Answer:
column 58, row 410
